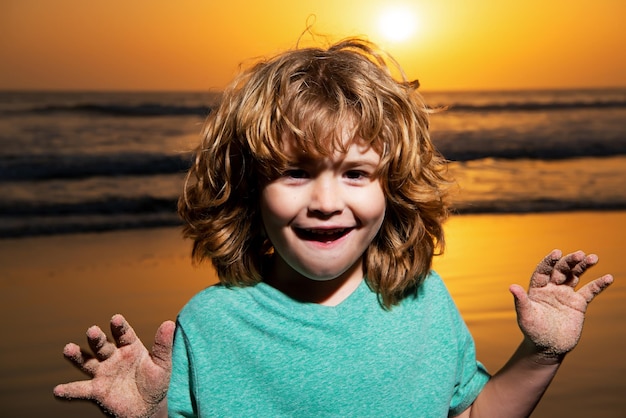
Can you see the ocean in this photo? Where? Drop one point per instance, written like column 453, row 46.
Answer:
column 74, row 162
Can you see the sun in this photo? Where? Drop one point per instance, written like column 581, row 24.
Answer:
column 397, row 23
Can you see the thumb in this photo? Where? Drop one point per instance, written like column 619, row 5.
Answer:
column 522, row 303
column 82, row 389
column 162, row 348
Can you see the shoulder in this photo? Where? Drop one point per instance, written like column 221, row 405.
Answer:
column 433, row 299
column 434, row 281
column 215, row 300
column 431, row 288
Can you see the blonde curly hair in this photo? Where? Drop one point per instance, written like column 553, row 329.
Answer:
column 309, row 94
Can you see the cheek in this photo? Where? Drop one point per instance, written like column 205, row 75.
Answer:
column 379, row 217
column 376, row 220
column 375, row 203
column 371, row 209
column 373, row 212
column 381, row 209
column 276, row 206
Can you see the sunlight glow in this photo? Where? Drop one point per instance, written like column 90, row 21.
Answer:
column 397, row 23
column 195, row 45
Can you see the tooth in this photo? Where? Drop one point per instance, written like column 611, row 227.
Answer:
column 326, row 231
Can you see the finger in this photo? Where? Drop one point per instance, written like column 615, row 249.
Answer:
column 594, row 288
column 80, row 359
column 75, row 390
column 123, row 333
column 541, row 275
column 163, row 342
column 579, row 269
column 74, row 354
column 563, row 269
column 99, row 344
column 586, row 263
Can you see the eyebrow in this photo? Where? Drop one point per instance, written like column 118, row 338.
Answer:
column 361, row 162
column 356, row 161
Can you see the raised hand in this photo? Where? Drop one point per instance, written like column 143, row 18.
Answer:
column 552, row 313
column 126, row 380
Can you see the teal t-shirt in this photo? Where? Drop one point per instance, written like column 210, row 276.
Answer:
column 253, row 351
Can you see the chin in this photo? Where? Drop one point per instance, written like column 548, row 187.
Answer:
column 325, row 276
column 322, row 278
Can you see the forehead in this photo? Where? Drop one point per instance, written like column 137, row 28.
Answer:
column 318, row 136
column 344, row 146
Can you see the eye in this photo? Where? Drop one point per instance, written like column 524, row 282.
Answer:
column 356, row 174
column 296, row 173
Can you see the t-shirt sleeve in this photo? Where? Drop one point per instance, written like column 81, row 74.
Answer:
column 471, row 375
column 180, row 398
column 472, row 378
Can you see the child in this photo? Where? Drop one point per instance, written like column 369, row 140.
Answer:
column 319, row 198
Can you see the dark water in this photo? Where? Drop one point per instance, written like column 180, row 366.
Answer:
column 78, row 162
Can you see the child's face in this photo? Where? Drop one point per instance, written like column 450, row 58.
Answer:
column 323, row 213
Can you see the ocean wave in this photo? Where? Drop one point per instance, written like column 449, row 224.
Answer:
column 37, row 226
column 75, row 167
column 161, row 109
column 103, row 206
column 46, row 167
column 117, row 110
column 536, row 106
column 535, row 206
column 547, row 153
column 20, row 219
column 144, row 213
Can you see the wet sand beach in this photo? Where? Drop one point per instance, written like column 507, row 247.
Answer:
column 53, row 288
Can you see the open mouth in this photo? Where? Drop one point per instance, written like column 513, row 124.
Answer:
column 322, row 235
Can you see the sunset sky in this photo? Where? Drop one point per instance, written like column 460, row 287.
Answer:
column 199, row 44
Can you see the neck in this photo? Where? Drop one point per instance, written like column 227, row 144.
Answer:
column 324, row 292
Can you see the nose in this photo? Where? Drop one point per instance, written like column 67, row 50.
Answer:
column 326, row 196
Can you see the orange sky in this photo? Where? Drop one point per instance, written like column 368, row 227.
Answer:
column 198, row 44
